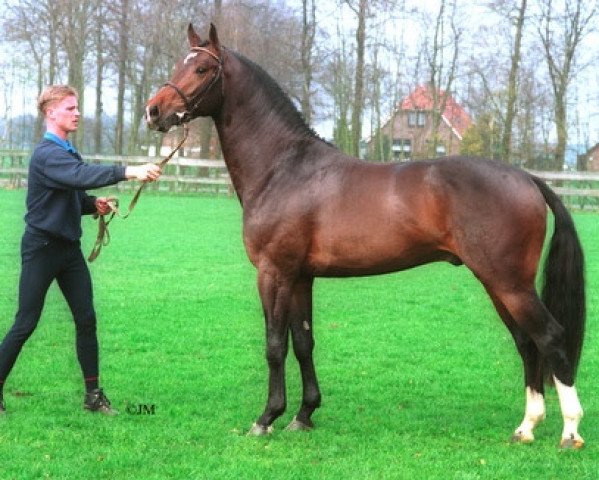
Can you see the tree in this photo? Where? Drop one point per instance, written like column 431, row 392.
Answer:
column 482, row 138
column 73, row 36
column 358, row 104
column 562, row 27
column 121, row 11
column 341, row 92
column 512, row 94
column 442, row 76
column 386, row 73
column 99, row 43
column 36, row 24
column 307, row 44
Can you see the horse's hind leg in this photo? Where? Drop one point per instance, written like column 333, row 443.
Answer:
column 534, row 319
column 300, row 316
column 533, row 376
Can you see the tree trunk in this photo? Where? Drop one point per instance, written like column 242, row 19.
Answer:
column 512, row 94
column 122, row 67
column 356, row 124
column 99, row 77
column 39, row 119
column 308, row 32
column 74, row 45
column 139, row 98
column 561, row 125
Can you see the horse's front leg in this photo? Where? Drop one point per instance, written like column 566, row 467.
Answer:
column 300, row 315
column 275, row 294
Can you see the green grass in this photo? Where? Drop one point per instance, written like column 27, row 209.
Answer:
column 419, row 377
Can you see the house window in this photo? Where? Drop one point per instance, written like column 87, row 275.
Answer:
column 412, row 119
column 402, row 148
column 441, row 150
column 416, row 119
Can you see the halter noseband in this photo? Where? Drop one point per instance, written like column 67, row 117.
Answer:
column 190, row 103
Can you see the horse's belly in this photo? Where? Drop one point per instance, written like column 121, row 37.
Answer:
column 355, row 257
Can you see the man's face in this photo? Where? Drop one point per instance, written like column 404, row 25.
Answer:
column 64, row 115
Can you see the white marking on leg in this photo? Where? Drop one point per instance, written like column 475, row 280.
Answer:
column 533, row 415
column 571, row 411
column 306, row 325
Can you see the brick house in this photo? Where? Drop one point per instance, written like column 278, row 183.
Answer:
column 592, row 159
column 410, row 127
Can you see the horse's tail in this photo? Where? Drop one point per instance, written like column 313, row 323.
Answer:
column 563, row 287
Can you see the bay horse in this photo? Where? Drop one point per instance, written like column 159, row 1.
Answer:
column 311, row 211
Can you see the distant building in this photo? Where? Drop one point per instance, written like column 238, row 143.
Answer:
column 592, row 159
column 410, row 127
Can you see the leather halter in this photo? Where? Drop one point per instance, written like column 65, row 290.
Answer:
column 192, row 103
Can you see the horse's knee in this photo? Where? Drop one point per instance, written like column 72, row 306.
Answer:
column 276, row 352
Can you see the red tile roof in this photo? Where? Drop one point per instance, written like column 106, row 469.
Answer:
column 454, row 115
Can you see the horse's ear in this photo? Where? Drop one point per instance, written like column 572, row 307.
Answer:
column 214, row 39
column 193, row 37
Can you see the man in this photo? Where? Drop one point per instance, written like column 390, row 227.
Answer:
column 50, row 247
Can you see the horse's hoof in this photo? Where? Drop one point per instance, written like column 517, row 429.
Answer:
column 519, row 437
column 258, row 430
column 297, row 426
column 571, row 443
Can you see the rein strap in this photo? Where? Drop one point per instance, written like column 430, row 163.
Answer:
column 103, row 237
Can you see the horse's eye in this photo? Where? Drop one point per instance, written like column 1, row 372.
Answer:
column 201, row 70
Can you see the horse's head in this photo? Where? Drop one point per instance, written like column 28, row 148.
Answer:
column 194, row 89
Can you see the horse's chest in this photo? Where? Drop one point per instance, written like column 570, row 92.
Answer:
column 277, row 240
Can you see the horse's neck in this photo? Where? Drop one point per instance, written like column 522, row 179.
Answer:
column 253, row 139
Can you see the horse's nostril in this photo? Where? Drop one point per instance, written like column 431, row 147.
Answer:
column 154, row 111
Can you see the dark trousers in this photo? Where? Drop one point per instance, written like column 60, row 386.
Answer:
column 42, row 261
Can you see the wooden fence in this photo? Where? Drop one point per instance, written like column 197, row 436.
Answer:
column 579, row 190
column 181, row 174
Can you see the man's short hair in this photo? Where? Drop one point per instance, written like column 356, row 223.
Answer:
column 54, row 94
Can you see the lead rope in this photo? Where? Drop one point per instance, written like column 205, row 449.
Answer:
column 103, row 237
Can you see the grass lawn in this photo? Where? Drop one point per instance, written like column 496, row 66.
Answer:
column 419, row 377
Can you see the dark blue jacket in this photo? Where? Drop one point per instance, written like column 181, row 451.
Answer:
column 56, row 196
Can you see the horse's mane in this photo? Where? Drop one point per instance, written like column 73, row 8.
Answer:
column 278, row 99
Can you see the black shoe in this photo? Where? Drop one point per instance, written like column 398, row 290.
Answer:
column 96, row 401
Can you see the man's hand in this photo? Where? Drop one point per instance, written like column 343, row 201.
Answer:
column 103, row 205
column 145, row 173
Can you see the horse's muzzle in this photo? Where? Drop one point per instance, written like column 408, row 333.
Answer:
column 157, row 121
